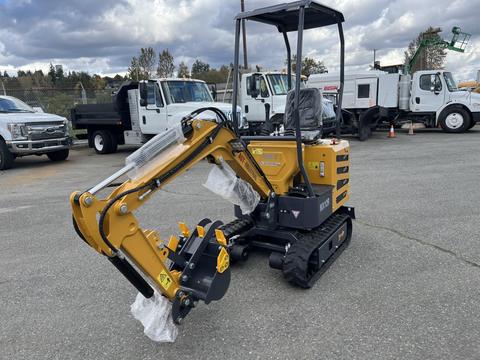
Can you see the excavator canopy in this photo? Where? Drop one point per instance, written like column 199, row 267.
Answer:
column 285, row 16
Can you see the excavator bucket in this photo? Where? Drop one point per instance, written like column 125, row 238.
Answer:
column 204, row 265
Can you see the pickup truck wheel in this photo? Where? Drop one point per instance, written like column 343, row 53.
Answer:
column 59, row 155
column 6, row 157
column 104, row 142
column 455, row 120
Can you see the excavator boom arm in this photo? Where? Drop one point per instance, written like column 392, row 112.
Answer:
column 110, row 227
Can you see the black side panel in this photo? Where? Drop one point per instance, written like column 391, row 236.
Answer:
column 115, row 113
column 95, row 114
column 304, row 213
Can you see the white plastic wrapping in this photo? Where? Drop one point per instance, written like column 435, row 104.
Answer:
column 155, row 314
column 156, row 151
column 223, row 181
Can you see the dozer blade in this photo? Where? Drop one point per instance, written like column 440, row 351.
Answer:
column 205, row 275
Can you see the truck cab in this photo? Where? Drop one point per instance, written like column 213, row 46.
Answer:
column 436, row 92
column 23, row 131
column 271, row 88
column 163, row 102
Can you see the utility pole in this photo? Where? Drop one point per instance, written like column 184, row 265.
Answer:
column 374, row 57
column 244, row 34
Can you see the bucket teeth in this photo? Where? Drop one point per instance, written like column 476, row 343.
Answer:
column 223, row 260
column 201, row 231
column 173, row 243
column 184, row 229
column 221, row 239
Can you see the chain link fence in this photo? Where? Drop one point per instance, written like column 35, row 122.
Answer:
column 59, row 101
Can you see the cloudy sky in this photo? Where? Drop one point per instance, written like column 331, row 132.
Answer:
column 102, row 36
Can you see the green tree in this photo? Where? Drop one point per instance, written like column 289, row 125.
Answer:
column 146, row 61
column 59, row 75
column 142, row 66
column 183, row 71
column 134, row 71
column 5, row 74
column 52, row 74
column 166, row 66
column 431, row 57
column 309, row 66
column 199, row 68
column 98, row 82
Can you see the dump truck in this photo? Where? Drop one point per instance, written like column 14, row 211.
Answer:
column 142, row 109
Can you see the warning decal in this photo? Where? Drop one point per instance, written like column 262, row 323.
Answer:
column 164, row 279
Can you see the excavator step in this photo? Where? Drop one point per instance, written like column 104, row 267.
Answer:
column 313, row 252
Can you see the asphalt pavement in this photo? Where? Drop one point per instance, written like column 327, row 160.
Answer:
column 408, row 287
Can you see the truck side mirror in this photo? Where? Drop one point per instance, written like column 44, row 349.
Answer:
column 436, row 88
column 142, row 87
column 252, row 86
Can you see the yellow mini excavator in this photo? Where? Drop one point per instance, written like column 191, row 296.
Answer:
column 302, row 181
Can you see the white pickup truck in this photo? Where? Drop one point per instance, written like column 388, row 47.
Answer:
column 140, row 110
column 26, row 132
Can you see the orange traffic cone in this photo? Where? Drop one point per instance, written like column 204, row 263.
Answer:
column 391, row 133
column 410, row 131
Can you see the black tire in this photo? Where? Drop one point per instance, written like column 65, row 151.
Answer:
column 364, row 132
column 472, row 124
column 104, row 142
column 365, row 121
column 6, row 157
column 455, row 119
column 59, row 155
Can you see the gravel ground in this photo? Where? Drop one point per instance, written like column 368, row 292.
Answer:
column 407, row 287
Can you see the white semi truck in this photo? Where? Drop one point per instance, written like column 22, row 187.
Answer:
column 373, row 98
column 140, row 110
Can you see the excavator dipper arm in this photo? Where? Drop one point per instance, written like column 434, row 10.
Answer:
column 185, row 269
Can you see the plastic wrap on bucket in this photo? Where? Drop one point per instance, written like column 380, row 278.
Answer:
column 155, row 314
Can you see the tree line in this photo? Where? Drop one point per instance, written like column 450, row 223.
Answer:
column 147, row 65
column 56, row 78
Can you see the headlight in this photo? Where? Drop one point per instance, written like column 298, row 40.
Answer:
column 18, row 131
column 242, row 121
column 67, row 125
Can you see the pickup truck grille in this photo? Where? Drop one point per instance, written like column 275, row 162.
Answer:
column 40, row 131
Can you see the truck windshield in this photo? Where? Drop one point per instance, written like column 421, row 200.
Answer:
column 279, row 83
column 451, row 83
column 10, row 105
column 186, row 91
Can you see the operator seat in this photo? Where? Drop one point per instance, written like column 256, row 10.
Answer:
column 311, row 123
column 310, row 112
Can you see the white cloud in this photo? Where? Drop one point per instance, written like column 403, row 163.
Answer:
column 101, row 37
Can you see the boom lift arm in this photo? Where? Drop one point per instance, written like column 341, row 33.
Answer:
column 458, row 43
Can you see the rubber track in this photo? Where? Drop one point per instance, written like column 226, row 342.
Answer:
column 236, row 227
column 295, row 264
